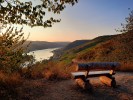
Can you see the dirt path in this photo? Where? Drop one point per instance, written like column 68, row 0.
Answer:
column 67, row 90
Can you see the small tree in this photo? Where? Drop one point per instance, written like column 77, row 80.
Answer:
column 23, row 13
column 128, row 27
column 11, row 50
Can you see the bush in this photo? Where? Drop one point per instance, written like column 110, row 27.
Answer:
column 10, row 80
column 9, row 84
column 12, row 52
column 56, row 70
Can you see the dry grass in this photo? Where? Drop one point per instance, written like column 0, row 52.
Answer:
column 10, row 80
column 56, row 71
column 51, row 71
column 8, row 85
column 14, row 80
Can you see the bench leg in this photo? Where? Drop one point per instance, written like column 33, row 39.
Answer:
column 85, row 84
column 108, row 81
column 88, row 86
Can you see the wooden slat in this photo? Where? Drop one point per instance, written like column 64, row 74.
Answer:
column 97, row 66
column 99, row 72
column 76, row 75
column 83, row 75
column 98, row 75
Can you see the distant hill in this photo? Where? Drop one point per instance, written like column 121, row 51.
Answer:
column 90, row 43
column 38, row 45
column 75, row 44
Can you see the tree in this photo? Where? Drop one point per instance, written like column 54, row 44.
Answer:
column 17, row 12
column 12, row 54
column 128, row 27
column 11, row 50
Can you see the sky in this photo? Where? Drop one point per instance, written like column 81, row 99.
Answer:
column 85, row 20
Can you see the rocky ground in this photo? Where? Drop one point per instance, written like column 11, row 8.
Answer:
column 67, row 90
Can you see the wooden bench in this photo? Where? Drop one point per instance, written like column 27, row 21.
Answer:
column 104, row 70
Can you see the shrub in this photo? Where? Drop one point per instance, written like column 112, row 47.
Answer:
column 11, row 50
column 56, row 70
column 10, row 80
column 9, row 84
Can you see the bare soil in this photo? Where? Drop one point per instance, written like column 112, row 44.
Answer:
column 67, row 90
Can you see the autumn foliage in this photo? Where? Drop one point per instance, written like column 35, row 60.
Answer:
column 11, row 50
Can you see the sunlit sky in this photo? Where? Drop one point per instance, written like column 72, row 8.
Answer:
column 85, row 20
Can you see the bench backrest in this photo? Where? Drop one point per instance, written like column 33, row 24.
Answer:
column 97, row 66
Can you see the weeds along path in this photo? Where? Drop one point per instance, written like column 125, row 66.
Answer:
column 67, row 90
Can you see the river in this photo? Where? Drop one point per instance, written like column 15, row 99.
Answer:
column 42, row 54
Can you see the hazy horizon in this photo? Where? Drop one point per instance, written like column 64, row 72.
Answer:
column 69, row 41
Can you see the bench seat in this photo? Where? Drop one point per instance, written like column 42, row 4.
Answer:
column 76, row 75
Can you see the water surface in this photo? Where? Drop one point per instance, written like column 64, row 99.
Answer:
column 42, row 54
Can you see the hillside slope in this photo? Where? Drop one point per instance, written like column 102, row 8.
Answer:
column 92, row 43
column 75, row 44
column 68, row 54
column 118, row 49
